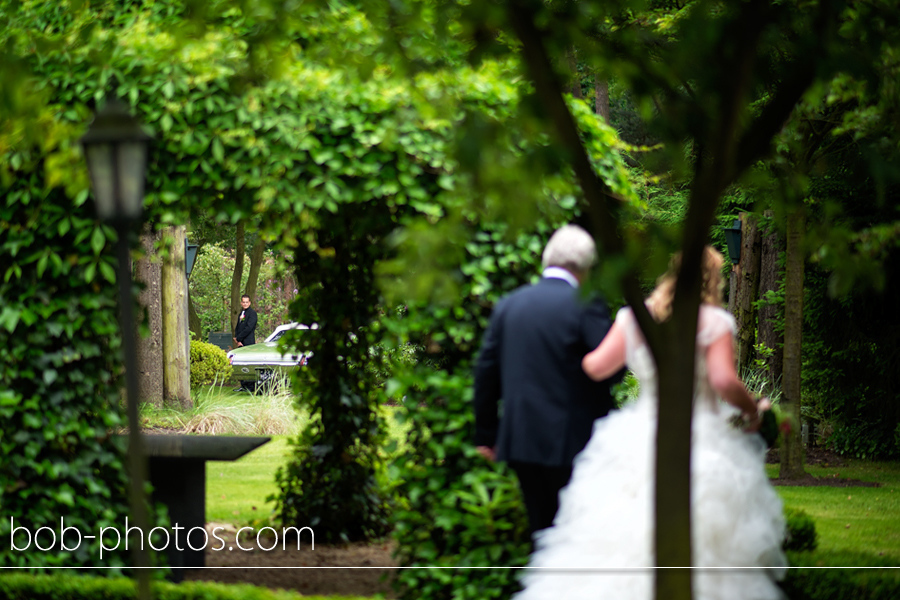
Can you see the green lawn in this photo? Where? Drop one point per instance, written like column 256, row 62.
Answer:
column 852, row 520
column 236, row 491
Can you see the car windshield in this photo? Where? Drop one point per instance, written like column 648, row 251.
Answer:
column 277, row 335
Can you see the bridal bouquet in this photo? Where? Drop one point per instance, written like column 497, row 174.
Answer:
column 769, row 428
column 770, row 425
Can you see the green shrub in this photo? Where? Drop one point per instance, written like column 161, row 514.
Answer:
column 864, row 440
column 818, row 577
column 68, row 587
column 454, row 509
column 209, row 364
column 801, row 531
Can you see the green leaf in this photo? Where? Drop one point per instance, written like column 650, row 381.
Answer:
column 50, row 376
column 218, row 151
column 107, row 271
column 9, row 318
column 98, row 240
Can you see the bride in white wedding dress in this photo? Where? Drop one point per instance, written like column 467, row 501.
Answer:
column 603, row 532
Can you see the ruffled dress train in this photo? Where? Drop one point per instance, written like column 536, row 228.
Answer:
column 601, row 543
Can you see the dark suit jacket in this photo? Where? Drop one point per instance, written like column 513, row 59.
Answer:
column 245, row 332
column 531, row 359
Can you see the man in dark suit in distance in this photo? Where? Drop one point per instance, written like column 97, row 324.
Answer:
column 245, row 331
column 531, row 360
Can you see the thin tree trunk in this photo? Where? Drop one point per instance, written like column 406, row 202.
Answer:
column 256, row 259
column 734, row 282
column 176, row 343
column 601, row 97
column 672, row 497
column 194, row 319
column 770, row 281
column 149, row 349
column 575, row 87
column 792, row 448
column 748, row 291
column 237, row 275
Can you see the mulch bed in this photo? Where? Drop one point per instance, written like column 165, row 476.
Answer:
column 360, row 569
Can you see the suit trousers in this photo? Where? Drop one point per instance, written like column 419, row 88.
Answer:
column 540, row 485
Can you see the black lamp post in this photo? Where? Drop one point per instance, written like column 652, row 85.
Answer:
column 115, row 146
column 733, row 239
column 190, row 255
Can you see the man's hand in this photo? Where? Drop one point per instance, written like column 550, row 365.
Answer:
column 487, row 452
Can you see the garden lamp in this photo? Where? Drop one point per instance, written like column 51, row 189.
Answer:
column 115, row 147
column 733, row 239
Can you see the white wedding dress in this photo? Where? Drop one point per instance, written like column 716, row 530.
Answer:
column 603, row 532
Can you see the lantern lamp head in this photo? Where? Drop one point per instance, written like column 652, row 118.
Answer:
column 115, row 147
column 733, row 240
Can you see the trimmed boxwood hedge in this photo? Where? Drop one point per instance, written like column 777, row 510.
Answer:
column 20, row 586
column 812, row 577
column 871, row 578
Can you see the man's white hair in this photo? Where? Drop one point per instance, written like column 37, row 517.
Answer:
column 572, row 248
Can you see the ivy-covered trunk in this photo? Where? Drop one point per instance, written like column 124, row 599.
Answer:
column 330, row 482
column 792, row 450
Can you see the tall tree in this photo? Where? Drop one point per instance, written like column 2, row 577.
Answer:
column 792, row 459
column 238, row 274
column 748, row 291
column 770, row 312
column 257, row 255
column 148, row 272
column 176, row 342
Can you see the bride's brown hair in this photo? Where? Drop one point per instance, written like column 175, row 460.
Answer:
column 660, row 301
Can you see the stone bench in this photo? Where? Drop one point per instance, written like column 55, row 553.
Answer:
column 177, row 470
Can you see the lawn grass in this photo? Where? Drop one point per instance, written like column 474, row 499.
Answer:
column 851, row 520
column 236, row 491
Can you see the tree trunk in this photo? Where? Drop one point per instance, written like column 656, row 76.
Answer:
column 194, row 319
column 257, row 254
column 748, row 291
column 575, row 87
column 792, row 448
column 672, row 499
column 769, row 313
column 149, row 349
column 601, row 97
column 237, row 275
column 176, row 343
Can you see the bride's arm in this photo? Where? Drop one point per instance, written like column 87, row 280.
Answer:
column 607, row 358
column 725, row 381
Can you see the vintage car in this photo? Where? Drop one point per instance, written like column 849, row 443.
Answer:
column 260, row 363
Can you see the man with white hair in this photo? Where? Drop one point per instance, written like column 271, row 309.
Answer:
column 531, row 360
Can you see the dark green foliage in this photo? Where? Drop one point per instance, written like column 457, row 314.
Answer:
column 869, row 579
column 850, row 364
column 330, row 482
column 66, row 587
column 209, row 364
column 801, row 531
column 59, row 357
column 454, row 509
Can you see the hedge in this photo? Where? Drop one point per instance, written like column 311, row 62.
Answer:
column 812, row 577
column 20, row 586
